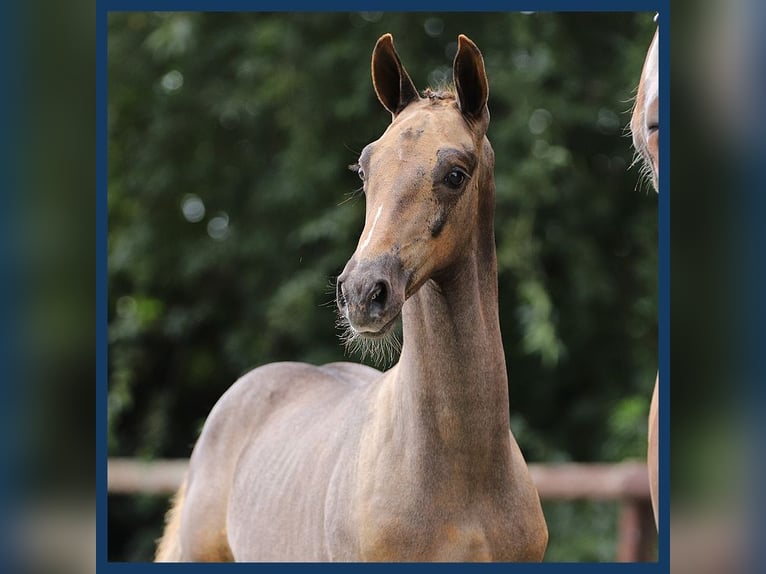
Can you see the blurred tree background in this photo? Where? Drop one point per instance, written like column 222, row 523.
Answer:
column 229, row 137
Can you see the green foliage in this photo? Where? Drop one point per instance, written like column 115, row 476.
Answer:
column 230, row 210
column 585, row 530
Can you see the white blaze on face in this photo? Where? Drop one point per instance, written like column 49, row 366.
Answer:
column 366, row 241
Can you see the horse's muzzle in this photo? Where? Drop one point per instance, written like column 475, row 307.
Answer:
column 370, row 294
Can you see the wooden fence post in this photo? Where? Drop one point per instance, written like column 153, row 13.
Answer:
column 636, row 531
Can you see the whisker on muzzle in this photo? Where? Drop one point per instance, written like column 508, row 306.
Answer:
column 382, row 351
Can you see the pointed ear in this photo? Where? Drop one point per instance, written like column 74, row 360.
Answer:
column 393, row 86
column 470, row 79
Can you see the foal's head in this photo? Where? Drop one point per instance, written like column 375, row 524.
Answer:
column 644, row 123
column 422, row 181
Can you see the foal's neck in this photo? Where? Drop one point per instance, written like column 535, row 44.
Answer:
column 452, row 367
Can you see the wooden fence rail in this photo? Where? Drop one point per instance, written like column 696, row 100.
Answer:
column 626, row 483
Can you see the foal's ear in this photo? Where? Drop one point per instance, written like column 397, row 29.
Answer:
column 470, row 79
column 393, row 86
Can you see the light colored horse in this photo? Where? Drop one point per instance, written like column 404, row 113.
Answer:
column 644, row 125
column 342, row 462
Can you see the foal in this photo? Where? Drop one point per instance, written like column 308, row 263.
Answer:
column 343, row 462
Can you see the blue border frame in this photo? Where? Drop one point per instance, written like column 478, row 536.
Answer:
column 13, row 144
column 103, row 7
column 390, row 6
column 101, row 284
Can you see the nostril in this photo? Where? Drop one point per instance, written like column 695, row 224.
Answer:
column 339, row 294
column 378, row 297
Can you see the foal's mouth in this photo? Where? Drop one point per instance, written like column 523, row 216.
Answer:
column 384, row 331
column 382, row 346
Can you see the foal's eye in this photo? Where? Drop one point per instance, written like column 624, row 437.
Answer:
column 653, row 127
column 455, row 178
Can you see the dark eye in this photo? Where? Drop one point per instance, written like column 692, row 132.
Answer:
column 455, row 178
column 653, row 127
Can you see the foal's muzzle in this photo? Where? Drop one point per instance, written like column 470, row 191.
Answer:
column 370, row 295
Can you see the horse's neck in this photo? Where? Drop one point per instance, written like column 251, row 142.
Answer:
column 451, row 376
